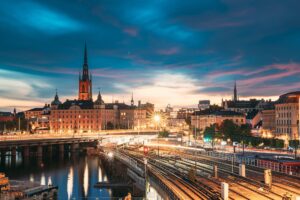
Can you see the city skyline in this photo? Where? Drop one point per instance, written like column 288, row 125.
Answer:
column 165, row 54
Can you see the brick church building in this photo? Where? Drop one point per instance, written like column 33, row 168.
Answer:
column 85, row 115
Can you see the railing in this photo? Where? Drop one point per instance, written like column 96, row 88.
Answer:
column 133, row 164
column 274, row 166
column 68, row 135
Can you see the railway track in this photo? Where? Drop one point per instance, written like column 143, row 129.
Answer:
column 235, row 186
column 251, row 185
column 278, row 189
column 190, row 189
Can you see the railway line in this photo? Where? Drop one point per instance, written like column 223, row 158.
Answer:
column 179, row 180
column 254, row 178
column 207, row 187
column 236, row 186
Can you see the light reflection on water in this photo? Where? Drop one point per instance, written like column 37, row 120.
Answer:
column 43, row 179
column 74, row 175
column 86, row 179
column 70, row 183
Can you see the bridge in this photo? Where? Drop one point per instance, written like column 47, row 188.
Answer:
column 40, row 143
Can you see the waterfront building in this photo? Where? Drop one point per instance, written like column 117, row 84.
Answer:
column 132, row 117
column 85, row 115
column 38, row 118
column 287, row 115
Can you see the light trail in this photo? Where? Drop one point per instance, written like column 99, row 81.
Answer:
column 174, row 146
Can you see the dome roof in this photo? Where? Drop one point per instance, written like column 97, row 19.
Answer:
column 56, row 100
column 99, row 100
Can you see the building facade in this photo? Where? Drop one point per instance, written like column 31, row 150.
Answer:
column 85, row 115
column 7, row 116
column 85, row 80
column 204, row 104
column 206, row 118
column 287, row 115
column 243, row 106
column 38, row 118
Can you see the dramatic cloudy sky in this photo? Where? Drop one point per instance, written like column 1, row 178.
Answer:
column 164, row 51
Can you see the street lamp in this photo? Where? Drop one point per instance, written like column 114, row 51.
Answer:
column 156, row 118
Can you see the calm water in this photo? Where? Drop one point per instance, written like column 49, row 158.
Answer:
column 74, row 175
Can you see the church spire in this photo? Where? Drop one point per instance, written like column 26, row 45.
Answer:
column 85, row 67
column 85, row 82
column 235, row 98
column 99, row 100
column 132, row 101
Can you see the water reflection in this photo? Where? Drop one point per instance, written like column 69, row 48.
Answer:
column 70, row 183
column 43, row 179
column 49, row 181
column 86, row 179
column 99, row 174
column 75, row 176
column 31, row 178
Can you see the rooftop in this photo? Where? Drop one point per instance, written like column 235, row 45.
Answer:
column 5, row 114
column 252, row 103
column 291, row 97
column 219, row 113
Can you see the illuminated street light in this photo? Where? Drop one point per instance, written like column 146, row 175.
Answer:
column 156, row 118
column 110, row 154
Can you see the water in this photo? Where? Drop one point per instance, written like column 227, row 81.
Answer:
column 75, row 176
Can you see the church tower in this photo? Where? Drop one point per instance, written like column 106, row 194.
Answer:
column 132, row 101
column 85, row 80
column 235, row 97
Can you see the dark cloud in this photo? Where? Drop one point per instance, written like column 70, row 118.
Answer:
column 213, row 42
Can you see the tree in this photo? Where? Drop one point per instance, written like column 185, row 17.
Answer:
column 245, row 130
column 229, row 129
column 164, row 133
column 210, row 133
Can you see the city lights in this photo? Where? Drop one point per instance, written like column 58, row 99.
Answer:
column 150, row 99
column 157, row 118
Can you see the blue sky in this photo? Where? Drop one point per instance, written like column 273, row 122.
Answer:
column 164, row 51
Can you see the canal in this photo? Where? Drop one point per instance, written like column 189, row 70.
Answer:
column 76, row 175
